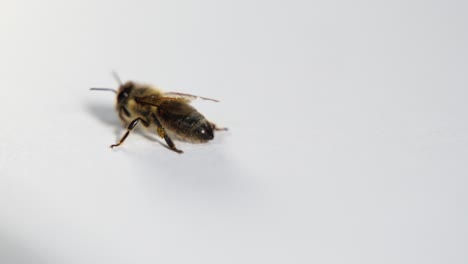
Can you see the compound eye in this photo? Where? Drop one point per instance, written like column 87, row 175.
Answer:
column 124, row 94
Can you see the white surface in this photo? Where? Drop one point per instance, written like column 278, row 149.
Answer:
column 348, row 141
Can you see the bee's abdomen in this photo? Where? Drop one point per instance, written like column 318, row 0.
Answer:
column 188, row 126
column 187, row 123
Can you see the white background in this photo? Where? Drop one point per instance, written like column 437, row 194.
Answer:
column 348, row 138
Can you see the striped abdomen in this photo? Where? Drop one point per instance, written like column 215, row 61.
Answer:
column 184, row 121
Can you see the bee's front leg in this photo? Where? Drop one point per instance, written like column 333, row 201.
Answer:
column 123, row 111
column 129, row 128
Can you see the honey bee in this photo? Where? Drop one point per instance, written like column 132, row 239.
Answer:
column 169, row 114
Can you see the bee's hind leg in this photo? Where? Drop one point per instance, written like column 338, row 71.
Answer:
column 162, row 133
column 214, row 127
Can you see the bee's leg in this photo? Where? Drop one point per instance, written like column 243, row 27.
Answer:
column 129, row 128
column 122, row 119
column 123, row 111
column 213, row 125
column 162, row 133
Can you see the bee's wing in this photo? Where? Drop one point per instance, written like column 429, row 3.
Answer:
column 158, row 100
column 173, row 105
column 189, row 97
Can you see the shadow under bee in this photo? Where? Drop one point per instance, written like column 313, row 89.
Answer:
column 104, row 113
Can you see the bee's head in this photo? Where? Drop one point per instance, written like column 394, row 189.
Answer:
column 124, row 92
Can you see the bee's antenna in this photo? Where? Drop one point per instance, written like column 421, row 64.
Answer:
column 116, row 77
column 103, row 89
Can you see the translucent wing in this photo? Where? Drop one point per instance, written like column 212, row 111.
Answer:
column 188, row 97
column 176, row 106
column 156, row 100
